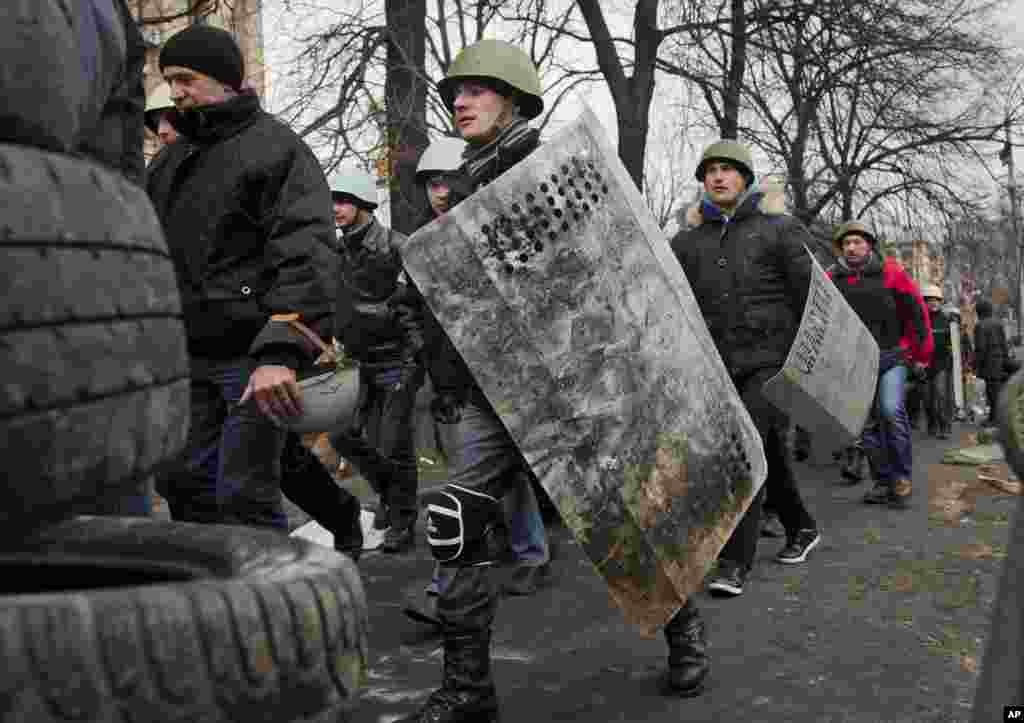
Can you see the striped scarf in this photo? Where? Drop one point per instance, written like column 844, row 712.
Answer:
column 483, row 164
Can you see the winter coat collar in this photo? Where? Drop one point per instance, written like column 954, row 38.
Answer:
column 871, row 267
column 211, row 123
column 770, row 201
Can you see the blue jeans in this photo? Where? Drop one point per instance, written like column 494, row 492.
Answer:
column 887, row 436
column 231, row 471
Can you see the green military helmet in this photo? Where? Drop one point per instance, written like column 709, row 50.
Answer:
column 496, row 60
column 731, row 151
column 158, row 102
column 845, row 229
column 442, row 156
column 355, row 184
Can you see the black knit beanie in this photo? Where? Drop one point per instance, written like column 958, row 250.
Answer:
column 207, row 50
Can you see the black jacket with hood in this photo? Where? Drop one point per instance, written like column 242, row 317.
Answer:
column 246, row 211
column 750, row 274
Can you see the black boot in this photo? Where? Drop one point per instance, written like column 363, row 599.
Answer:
column 467, row 693
column 688, row 664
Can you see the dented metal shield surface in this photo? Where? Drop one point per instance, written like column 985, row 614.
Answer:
column 563, row 297
column 827, row 384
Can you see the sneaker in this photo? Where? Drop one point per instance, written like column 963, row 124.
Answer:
column 727, row 580
column 799, row 546
column 771, row 526
column 398, row 539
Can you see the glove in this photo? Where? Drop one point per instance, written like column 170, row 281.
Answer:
column 446, row 408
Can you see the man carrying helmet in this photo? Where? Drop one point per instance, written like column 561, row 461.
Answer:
column 493, row 91
column 376, row 321
column 938, row 379
column 749, row 267
column 888, row 302
column 246, row 212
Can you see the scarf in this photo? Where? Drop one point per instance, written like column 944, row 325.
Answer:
column 513, row 143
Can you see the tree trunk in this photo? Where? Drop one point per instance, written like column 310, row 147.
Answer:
column 406, row 93
column 632, row 94
column 737, row 66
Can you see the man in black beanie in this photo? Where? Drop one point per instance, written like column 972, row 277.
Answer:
column 247, row 215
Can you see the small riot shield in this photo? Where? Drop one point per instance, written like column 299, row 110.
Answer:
column 562, row 295
column 827, row 384
column 958, row 367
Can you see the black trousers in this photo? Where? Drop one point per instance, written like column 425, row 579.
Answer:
column 310, row 485
column 993, row 387
column 780, row 485
column 382, row 444
column 937, row 395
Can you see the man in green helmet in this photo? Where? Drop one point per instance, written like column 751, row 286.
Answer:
column 750, row 271
column 493, row 91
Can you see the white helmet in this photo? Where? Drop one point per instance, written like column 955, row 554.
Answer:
column 931, row 291
column 157, row 103
column 441, row 156
column 357, row 184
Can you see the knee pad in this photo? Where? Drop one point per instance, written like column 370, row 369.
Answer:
column 465, row 527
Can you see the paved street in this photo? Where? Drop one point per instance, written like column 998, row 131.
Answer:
column 884, row 623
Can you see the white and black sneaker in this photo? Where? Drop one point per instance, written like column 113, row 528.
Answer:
column 798, row 547
column 727, row 579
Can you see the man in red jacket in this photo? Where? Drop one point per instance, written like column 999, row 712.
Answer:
column 888, row 302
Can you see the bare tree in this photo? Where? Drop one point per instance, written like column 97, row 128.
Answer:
column 406, row 93
column 339, row 101
column 632, row 92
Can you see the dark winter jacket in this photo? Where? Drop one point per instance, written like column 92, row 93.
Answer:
column 448, row 372
column 942, row 356
column 990, row 349
column 889, row 303
column 750, row 275
column 247, row 215
column 377, row 317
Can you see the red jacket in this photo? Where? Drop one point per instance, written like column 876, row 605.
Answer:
column 889, row 303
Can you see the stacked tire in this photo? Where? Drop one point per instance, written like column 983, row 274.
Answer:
column 125, row 619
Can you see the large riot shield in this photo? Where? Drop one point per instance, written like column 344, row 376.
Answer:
column 562, row 295
column 827, row 384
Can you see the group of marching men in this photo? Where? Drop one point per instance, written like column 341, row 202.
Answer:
column 246, row 211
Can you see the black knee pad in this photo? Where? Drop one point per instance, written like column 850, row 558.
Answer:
column 465, row 527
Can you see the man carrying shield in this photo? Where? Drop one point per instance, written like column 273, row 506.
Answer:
column 750, row 272
column 493, row 90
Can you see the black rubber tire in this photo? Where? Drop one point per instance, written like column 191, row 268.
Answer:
column 93, row 360
column 157, row 621
column 41, row 80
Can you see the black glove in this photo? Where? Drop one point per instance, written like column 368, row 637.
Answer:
column 446, row 408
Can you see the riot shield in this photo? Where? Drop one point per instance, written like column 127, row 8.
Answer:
column 958, row 368
column 827, row 384
column 563, row 297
